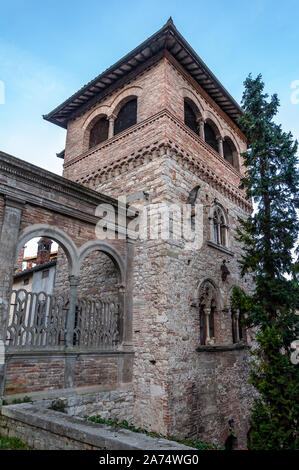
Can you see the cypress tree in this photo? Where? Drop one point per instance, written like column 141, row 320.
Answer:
column 269, row 236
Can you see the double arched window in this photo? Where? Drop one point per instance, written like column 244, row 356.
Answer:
column 220, row 228
column 104, row 128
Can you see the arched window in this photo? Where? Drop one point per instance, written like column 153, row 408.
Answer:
column 219, row 227
column 207, row 312
column 238, row 330
column 190, row 118
column 210, row 136
column 127, row 116
column 99, row 132
column 230, row 152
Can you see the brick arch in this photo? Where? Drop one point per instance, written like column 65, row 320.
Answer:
column 123, row 97
column 101, row 111
column 191, row 96
column 106, row 248
column 56, row 234
column 226, row 133
column 234, row 151
column 91, row 121
column 211, row 118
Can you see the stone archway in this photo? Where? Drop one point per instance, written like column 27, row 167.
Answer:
column 56, row 234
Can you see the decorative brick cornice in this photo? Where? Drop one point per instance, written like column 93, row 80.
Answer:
column 133, row 129
column 169, row 148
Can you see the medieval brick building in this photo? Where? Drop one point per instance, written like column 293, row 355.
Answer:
column 158, row 128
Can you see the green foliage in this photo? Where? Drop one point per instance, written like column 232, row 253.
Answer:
column 268, row 236
column 17, row 401
column 114, row 422
column 275, row 414
column 11, row 443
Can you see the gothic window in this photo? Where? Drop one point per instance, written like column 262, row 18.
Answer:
column 127, row 116
column 99, row 132
column 190, row 117
column 210, row 136
column 219, row 227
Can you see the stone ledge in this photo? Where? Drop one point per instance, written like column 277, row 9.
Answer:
column 222, row 347
column 69, row 392
column 220, row 248
column 63, row 352
column 80, row 431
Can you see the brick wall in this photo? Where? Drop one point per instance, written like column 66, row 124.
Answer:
column 34, row 374
column 37, row 373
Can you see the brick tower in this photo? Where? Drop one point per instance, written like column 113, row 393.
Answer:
column 158, row 127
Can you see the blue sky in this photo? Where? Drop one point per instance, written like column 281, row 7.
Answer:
column 50, row 49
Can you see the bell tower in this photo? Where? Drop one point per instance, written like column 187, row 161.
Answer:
column 154, row 127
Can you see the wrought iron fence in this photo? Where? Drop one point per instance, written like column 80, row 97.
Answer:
column 38, row 320
column 97, row 323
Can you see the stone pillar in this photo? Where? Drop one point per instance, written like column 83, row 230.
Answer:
column 207, row 312
column 201, row 125
column 8, row 245
column 219, row 233
column 220, row 146
column 128, row 300
column 70, row 323
column 111, row 120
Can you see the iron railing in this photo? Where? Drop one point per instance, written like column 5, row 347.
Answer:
column 38, row 320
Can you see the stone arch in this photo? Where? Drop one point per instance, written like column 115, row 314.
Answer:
column 109, row 250
column 208, row 281
column 56, row 234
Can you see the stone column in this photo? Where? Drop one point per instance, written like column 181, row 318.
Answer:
column 219, row 233
column 70, row 324
column 220, row 146
column 128, row 300
column 111, row 120
column 8, row 245
column 201, row 125
column 207, row 312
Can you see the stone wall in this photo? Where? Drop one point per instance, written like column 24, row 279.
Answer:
column 45, row 429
